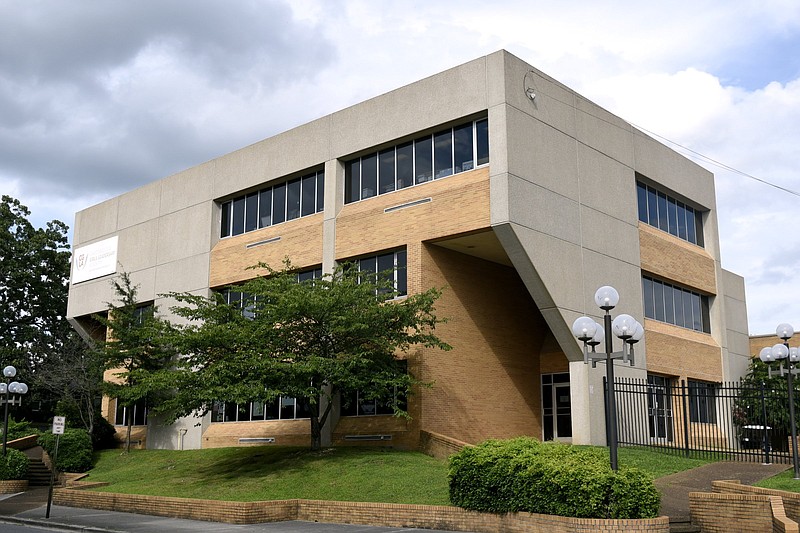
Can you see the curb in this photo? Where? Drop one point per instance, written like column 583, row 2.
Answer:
column 37, row 522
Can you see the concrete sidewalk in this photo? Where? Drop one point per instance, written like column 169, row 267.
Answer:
column 675, row 488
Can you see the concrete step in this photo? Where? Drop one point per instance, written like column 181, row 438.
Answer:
column 683, row 527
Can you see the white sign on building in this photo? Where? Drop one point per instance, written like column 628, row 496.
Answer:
column 94, row 260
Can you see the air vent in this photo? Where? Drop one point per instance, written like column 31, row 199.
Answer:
column 260, row 243
column 408, row 204
column 256, row 440
column 367, row 437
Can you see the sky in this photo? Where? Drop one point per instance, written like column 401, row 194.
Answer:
column 98, row 97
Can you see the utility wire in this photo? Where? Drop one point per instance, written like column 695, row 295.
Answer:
column 715, row 162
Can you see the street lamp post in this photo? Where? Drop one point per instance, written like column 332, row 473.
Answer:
column 592, row 334
column 779, row 352
column 11, row 392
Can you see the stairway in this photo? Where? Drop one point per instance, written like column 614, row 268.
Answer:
column 38, row 473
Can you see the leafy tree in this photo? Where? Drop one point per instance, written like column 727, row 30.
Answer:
column 34, row 275
column 136, row 346
column 750, row 403
column 73, row 375
column 308, row 340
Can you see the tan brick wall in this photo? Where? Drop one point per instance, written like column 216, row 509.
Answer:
column 791, row 500
column 676, row 260
column 681, row 352
column 285, row 433
column 488, row 386
column 738, row 513
column 300, row 241
column 374, row 514
column 458, row 204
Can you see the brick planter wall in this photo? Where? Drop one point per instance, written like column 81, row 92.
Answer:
column 12, row 486
column 790, row 500
column 377, row 514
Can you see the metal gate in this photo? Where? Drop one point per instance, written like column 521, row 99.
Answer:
column 711, row 420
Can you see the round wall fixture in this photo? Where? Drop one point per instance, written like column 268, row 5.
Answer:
column 528, row 86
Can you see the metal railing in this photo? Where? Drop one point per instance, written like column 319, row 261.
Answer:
column 728, row 421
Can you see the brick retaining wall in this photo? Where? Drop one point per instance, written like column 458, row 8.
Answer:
column 791, row 500
column 376, row 514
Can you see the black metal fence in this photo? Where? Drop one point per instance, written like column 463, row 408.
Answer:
column 728, row 421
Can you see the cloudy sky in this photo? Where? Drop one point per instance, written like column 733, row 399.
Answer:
column 98, row 97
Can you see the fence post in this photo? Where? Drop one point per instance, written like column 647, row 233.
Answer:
column 605, row 405
column 767, row 446
column 684, row 401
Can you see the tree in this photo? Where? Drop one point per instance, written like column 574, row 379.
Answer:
column 136, row 347
column 308, row 340
column 73, row 375
column 763, row 400
column 34, row 276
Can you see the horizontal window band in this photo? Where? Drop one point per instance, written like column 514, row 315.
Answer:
column 408, row 204
column 252, row 440
column 259, row 243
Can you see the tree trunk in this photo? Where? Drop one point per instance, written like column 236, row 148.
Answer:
column 129, row 413
column 316, row 427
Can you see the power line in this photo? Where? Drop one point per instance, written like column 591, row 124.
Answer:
column 715, row 162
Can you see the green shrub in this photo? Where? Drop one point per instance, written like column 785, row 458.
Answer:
column 524, row 474
column 15, row 465
column 74, row 450
column 17, row 430
column 103, row 434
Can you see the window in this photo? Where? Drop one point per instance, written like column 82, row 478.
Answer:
column 355, row 404
column 675, row 305
column 391, row 266
column 426, row 158
column 246, row 302
column 702, row 402
column 282, row 408
column 660, row 210
column 286, row 201
column 137, row 410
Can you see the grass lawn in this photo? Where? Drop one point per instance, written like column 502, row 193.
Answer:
column 783, row 481
column 275, row 473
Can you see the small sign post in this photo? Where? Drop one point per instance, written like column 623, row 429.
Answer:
column 58, row 429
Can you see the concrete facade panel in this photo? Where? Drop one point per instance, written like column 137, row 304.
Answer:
column 554, row 103
column 95, row 222
column 140, row 205
column 185, row 189
column 184, row 275
column 428, row 103
column 604, row 132
column 606, row 185
column 542, row 210
column 605, row 234
column 137, row 248
column 184, row 233
column 541, row 154
column 673, row 171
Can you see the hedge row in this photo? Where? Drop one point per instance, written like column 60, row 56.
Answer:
column 74, row 449
column 14, row 465
column 524, row 474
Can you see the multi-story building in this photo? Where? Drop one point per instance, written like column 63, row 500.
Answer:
column 517, row 195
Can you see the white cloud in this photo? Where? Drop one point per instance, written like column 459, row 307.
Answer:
column 98, row 98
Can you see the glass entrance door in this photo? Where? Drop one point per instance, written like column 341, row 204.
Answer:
column 659, row 407
column 556, row 407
